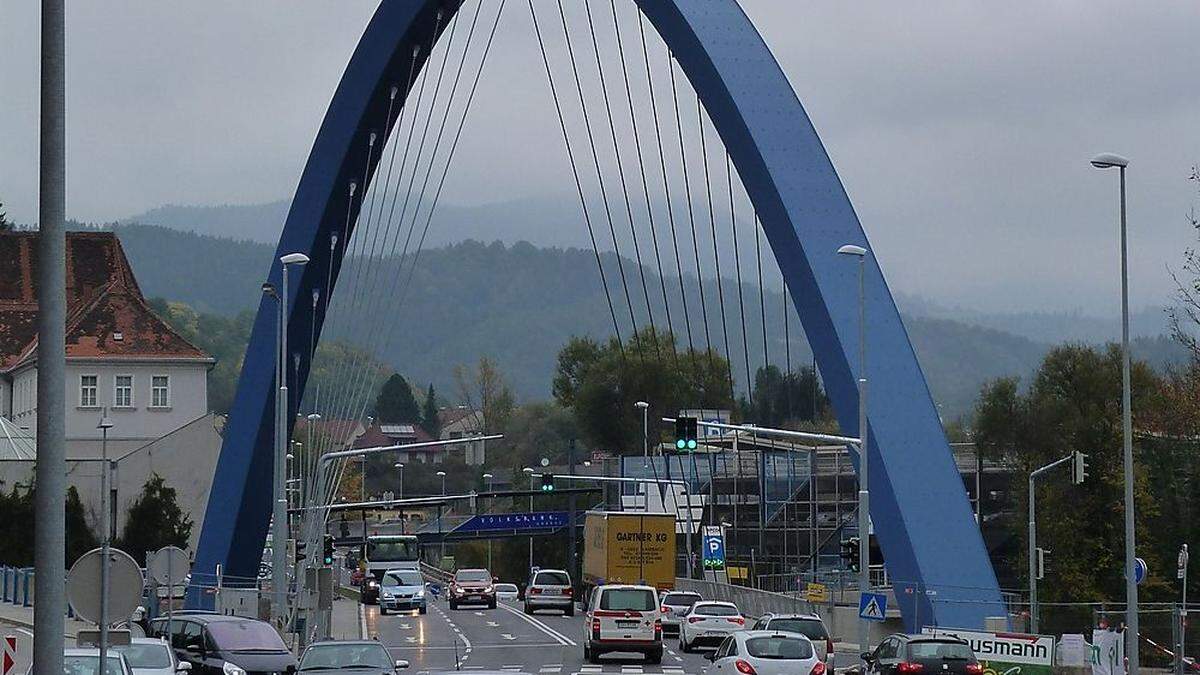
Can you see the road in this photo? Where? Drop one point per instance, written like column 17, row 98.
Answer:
column 506, row 639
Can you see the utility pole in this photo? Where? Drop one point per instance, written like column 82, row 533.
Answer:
column 572, row 545
column 864, row 474
column 51, row 471
column 1036, row 568
column 1181, row 572
column 106, row 543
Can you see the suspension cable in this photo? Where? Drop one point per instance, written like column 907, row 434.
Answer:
column 712, row 222
column 599, row 173
column 762, row 300
column 587, row 219
column 637, row 144
column 662, row 162
column 737, row 264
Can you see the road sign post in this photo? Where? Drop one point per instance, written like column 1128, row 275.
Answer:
column 872, row 606
column 169, row 567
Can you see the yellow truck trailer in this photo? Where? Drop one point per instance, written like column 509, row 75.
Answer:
column 629, row 548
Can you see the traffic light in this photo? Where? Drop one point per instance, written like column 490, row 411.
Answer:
column 850, row 551
column 686, row 433
column 301, row 550
column 547, row 482
column 1078, row 468
column 327, row 558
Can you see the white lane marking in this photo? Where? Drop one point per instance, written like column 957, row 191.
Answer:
column 362, row 622
column 507, row 636
column 550, row 669
column 493, row 624
column 478, row 613
column 541, row 626
column 405, row 626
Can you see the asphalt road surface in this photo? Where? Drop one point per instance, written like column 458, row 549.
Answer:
column 504, row 638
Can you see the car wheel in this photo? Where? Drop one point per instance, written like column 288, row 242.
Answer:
column 528, row 609
column 570, row 610
column 423, row 609
column 453, row 605
column 683, row 646
column 654, row 658
column 382, row 610
column 492, row 604
column 593, row 657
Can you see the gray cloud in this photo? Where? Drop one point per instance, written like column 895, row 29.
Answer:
column 961, row 130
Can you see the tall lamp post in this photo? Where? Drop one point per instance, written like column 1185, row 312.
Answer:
column 529, row 472
column 1111, row 161
column 864, row 493
column 279, row 536
column 105, row 543
column 442, row 475
column 1182, row 570
column 488, row 478
column 644, row 407
column 399, row 466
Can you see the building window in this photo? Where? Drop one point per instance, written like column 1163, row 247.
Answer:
column 123, row 391
column 87, row 391
column 160, row 391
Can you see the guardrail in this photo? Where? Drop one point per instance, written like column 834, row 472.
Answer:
column 751, row 601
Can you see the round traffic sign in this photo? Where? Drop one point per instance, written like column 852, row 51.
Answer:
column 1140, row 571
column 125, row 583
column 169, row 566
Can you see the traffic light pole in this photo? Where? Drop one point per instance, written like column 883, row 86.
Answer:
column 1079, row 472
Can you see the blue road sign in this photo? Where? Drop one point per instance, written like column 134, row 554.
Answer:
column 1140, row 570
column 538, row 520
column 872, row 606
column 714, row 550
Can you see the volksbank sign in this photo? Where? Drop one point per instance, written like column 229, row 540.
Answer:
column 1010, row 653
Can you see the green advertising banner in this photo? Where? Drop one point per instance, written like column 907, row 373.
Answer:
column 1006, row 653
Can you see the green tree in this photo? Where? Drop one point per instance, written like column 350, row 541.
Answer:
column 395, row 403
column 429, row 414
column 1074, row 404
column 786, row 399
column 17, row 525
column 80, row 538
column 154, row 520
column 600, row 382
column 5, row 224
column 485, row 388
column 536, row 430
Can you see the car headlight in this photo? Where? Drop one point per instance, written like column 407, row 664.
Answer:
column 232, row 669
column 489, row 589
column 372, row 584
column 388, row 596
column 419, row 594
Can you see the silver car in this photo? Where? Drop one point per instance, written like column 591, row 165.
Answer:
column 401, row 591
column 675, row 606
column 766, row 653
column 550, row 589
column 151, row 656
column 810, row 626
column 86, row 661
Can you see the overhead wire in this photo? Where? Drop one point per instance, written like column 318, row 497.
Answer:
column 737, row 263
column 712, row 222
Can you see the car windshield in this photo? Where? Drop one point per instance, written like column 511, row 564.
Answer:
column 681, row 599
column 403, row 578
column 810, row 628
column 391, row 550
column 716, row 610
column 779, row 647
column 146, row 655
column 472, row 576
column 87, row 665
column 237, row 636
column 940, row 650
column 628, row 599
column 506, row 588
column 372, row 655
column 552, row 579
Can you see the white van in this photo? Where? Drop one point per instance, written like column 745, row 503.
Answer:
column 623, row 618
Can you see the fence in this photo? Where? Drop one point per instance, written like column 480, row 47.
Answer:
column 16, row 585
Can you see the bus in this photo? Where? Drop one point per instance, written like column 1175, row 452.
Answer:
column 385, row 552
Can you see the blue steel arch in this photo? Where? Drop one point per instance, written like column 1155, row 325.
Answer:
column 921, row 514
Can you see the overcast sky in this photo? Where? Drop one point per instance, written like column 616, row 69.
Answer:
column 961, row 130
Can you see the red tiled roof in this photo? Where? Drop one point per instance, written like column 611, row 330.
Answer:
column 374, row 437
column 338, row 432
column 107, row 316
column 448, row 416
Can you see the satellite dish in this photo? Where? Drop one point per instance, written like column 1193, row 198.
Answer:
column 169, row 566
column 125, row 583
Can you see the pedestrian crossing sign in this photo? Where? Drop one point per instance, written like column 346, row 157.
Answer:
column 872, row 606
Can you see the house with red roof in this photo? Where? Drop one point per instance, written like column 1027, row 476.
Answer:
column 121, row 357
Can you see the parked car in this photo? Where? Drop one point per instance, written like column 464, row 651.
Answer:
column 623, row 618
column 908, row 654
column 507, row 593
column 217, row 644
column 550, row 589
column 152, row 656
column 764, row 652
column 709, row 622
column 675, row 606
column 808, row 625
column 473, row 586
column 362, row 657
column 87, row 662
column 402, row 590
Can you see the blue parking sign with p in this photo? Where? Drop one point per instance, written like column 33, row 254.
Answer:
column 714, row 552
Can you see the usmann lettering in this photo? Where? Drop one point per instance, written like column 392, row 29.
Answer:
column 1028, row 650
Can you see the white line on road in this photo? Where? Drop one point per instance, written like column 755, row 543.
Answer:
column 562, row 639
column 507, row 636
column 362, row 624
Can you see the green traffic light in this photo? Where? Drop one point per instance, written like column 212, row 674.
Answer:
column 691, row 444
column 680, row 444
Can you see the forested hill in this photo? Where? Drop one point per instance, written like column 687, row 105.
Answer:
column 520, row 304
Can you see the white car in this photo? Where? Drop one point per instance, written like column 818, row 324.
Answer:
column 810, row 626
column 623, row 618
column 675, row 606
column 764, row 652
column 708, row 623
column 151, row 656
column 86, row 660
column 507, row 592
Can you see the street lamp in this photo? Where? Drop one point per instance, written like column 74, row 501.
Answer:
column 442, row 475
column 106, row 543
column 488, row 477
column 643, row 406
column 400, row 466
column 864, row 493
column 1109, row 161
column 529, row 472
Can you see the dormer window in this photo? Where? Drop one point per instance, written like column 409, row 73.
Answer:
column 118, row 337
